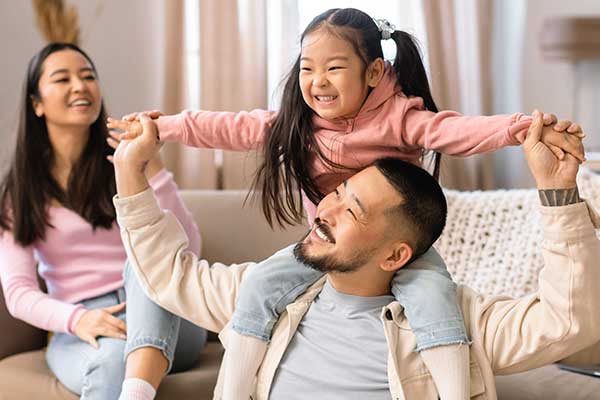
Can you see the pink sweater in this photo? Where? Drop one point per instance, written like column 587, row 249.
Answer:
column 75, row 261
column 388, row 124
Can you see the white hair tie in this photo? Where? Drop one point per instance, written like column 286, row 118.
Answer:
column 385, row 28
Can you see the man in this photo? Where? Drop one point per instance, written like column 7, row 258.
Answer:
column 345, row 337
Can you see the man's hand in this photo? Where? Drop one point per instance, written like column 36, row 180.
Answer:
column 132, row 157
column 549, row 172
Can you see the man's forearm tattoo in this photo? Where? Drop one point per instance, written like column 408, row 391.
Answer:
column 559, row 197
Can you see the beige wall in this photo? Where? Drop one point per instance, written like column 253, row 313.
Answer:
column 547, row 85
column 124, row 38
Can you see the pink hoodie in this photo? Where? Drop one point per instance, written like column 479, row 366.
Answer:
column 389, row 124
column 76, row 262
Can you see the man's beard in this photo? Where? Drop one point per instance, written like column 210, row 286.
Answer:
column 328, row 263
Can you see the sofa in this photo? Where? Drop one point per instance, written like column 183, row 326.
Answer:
column 491, row 243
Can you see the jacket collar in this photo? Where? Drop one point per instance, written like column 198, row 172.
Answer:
column 392, row 312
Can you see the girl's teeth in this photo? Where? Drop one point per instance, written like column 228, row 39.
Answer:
column 326, row 98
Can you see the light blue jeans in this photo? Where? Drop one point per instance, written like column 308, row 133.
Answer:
column 99, row 373
column 424, row 288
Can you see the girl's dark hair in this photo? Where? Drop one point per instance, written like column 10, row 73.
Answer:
column 291, row 147
column 28, row 187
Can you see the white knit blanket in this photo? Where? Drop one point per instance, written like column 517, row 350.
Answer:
column 492, row 238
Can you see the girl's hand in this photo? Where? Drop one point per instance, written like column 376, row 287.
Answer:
column 101, row 322
column 130, row 129
column 130, row 123
column 564, row 137
column 561, row 126
column 154, row 114
column 137, row 152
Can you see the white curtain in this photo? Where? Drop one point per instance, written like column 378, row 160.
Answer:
column 459, row 40
column 215, row 59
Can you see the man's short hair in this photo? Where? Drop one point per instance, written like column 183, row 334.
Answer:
column 423, row 209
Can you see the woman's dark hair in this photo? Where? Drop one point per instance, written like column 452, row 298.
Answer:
column 291, row 147
column 28, row 186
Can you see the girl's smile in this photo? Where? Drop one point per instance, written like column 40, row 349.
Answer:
column 334, row 80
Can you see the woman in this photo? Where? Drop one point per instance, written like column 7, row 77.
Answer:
column 57, row 213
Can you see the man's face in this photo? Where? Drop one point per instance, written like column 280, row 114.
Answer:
column 351, row 228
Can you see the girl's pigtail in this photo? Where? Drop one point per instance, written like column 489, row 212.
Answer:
column 412, row 76
column 410, row 69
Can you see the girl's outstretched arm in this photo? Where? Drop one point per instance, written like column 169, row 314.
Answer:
column 238, row 131
column 452, row 133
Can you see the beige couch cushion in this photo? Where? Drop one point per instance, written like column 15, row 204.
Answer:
column 231, row 233
column 25, row 376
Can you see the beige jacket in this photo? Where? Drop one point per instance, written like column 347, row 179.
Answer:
column 509, row 335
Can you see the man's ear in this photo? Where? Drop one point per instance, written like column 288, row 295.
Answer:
column 401, row 253
column 375, row 72
column 38, row 107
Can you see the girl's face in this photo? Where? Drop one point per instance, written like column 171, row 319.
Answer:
column 333, row 79
column 69, row 91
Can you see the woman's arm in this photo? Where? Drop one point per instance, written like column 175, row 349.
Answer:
column 23, row 296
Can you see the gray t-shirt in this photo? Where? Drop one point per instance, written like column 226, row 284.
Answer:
column 338, row 352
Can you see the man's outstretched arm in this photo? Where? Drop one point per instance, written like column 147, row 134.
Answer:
column 562, row 317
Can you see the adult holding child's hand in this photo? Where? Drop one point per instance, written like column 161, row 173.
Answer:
column 555, row 179
column 132, row 156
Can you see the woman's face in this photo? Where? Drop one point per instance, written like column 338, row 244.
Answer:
column 69, row 91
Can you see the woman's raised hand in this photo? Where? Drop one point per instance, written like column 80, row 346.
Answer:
column 130, row 123
column 101, row 322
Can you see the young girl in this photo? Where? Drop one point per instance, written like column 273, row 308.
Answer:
column 57, row 214
column 342, row 108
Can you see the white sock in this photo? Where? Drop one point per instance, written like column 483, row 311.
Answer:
column 449, row 368
column 243, row 358
column 137, row 389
